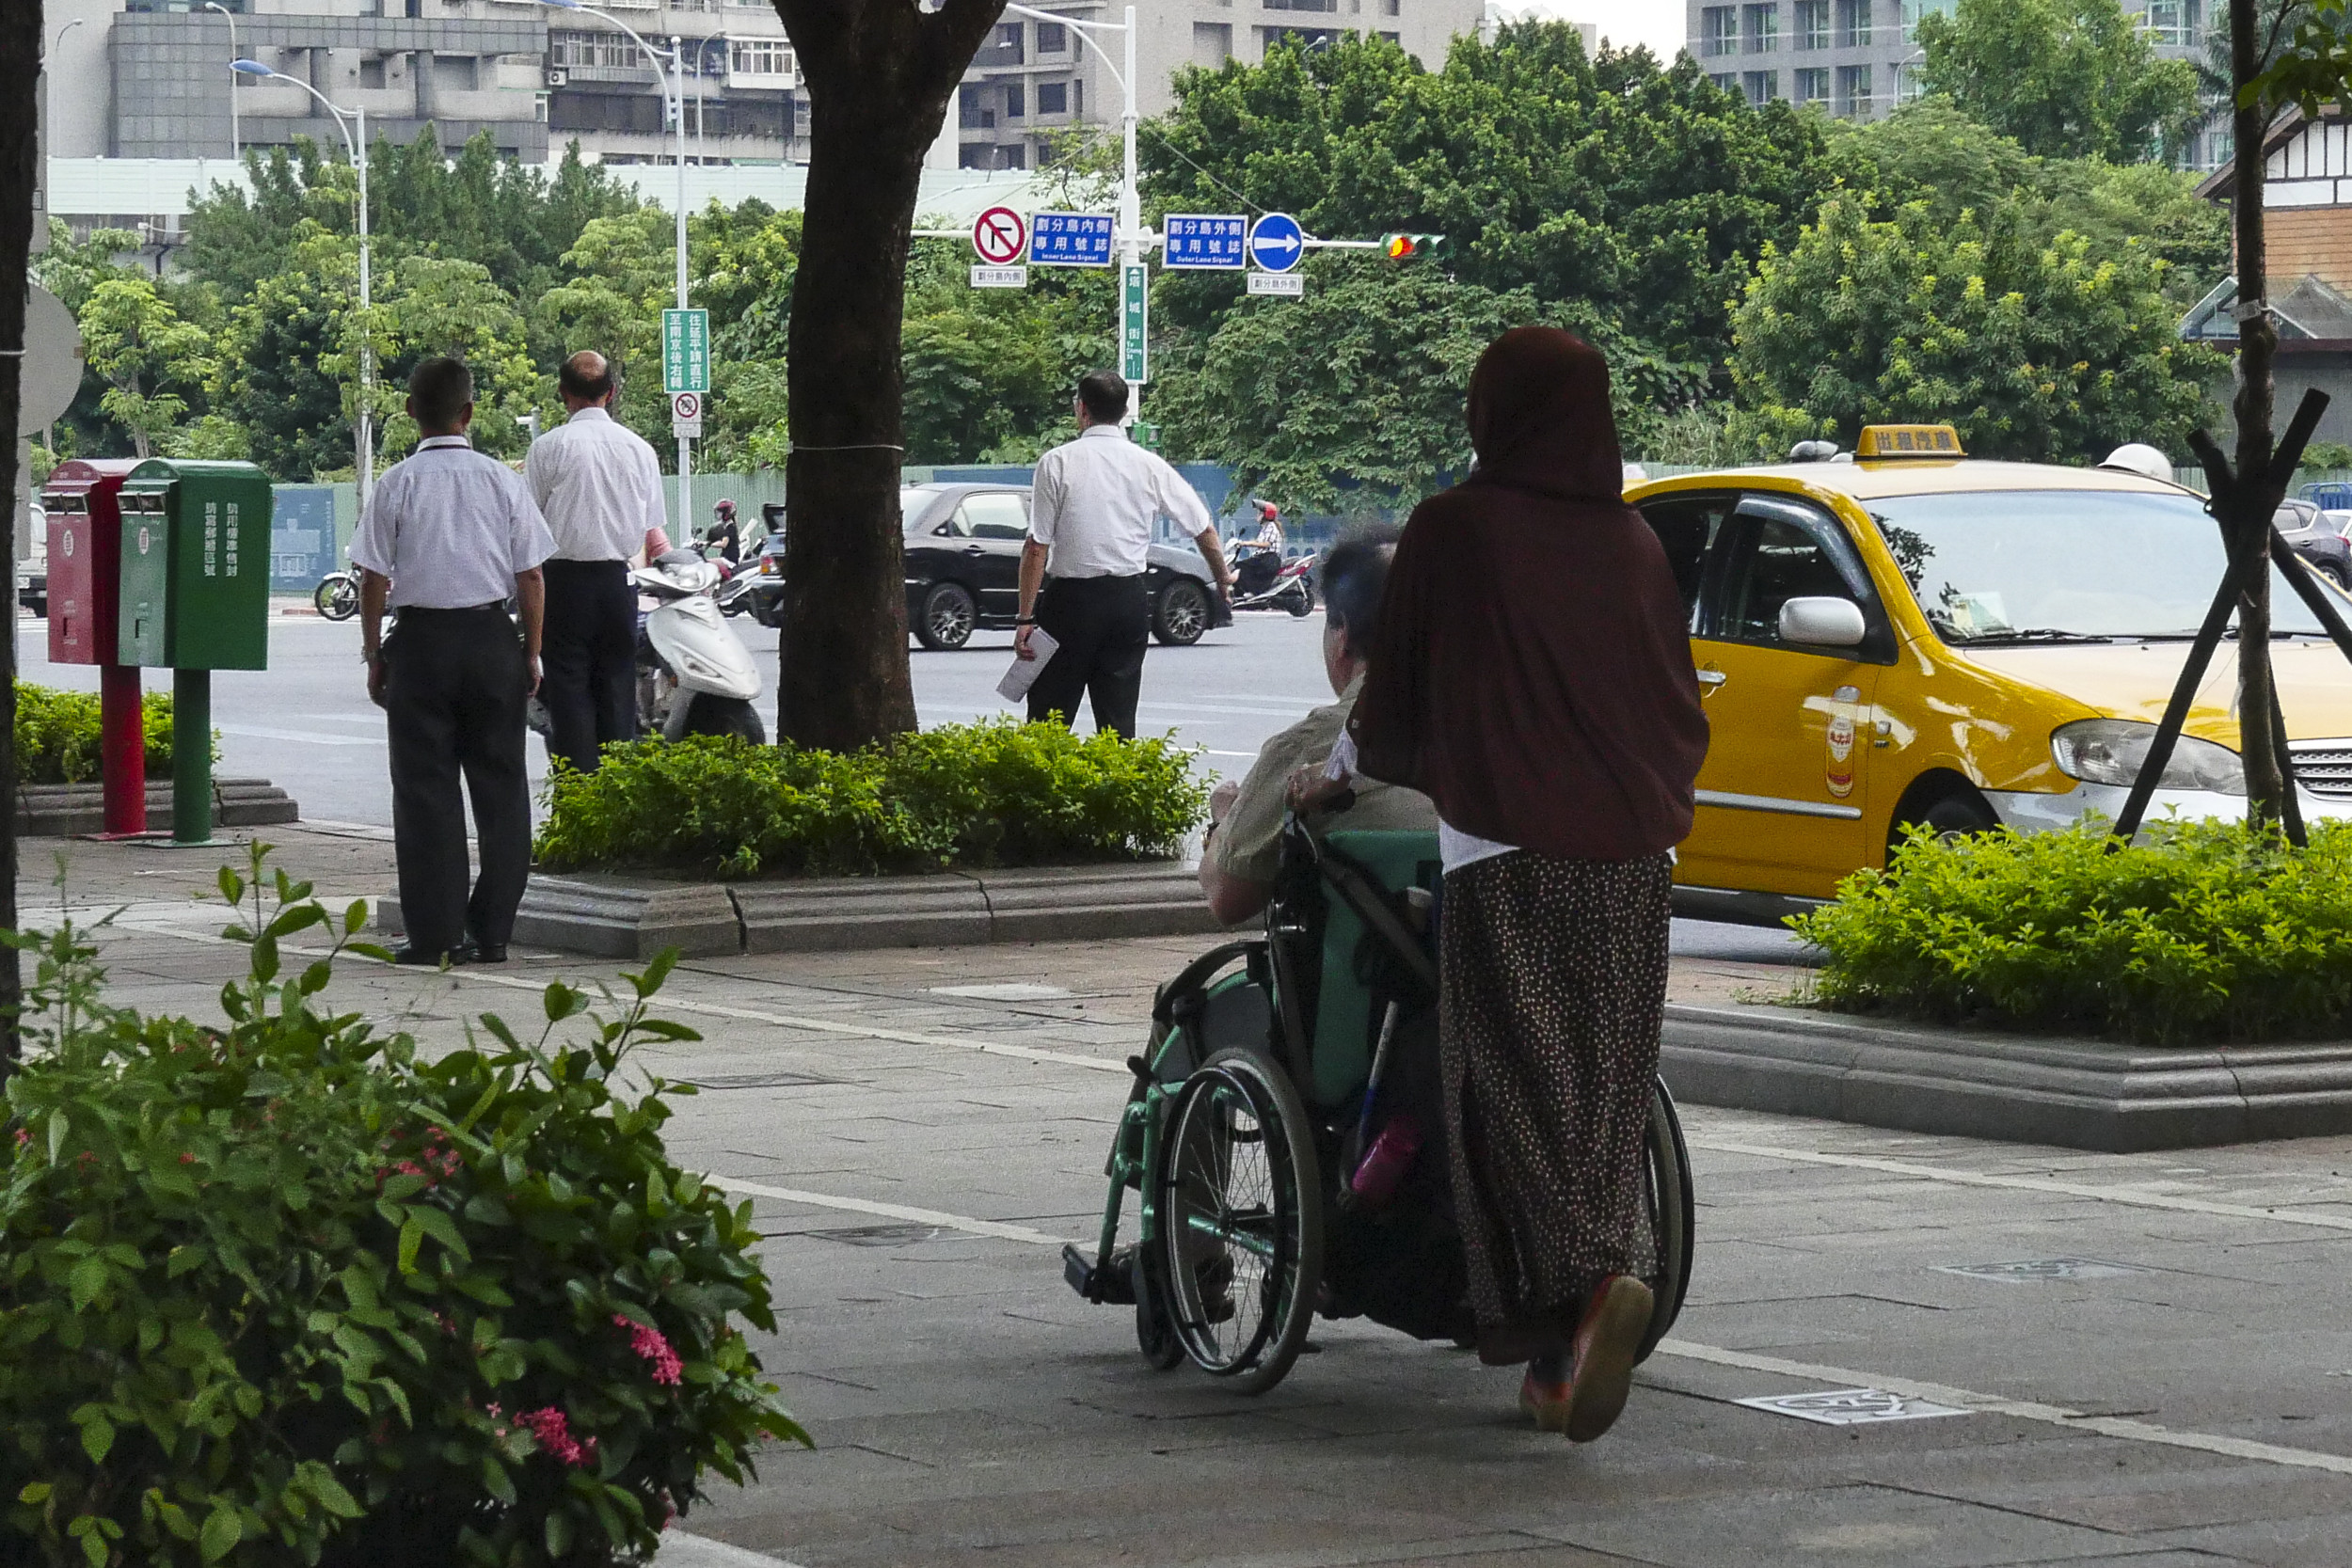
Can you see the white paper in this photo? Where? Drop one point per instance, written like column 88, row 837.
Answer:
column 1024, row 673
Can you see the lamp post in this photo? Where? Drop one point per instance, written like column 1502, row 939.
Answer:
column 1131, row 234
column 236, row 141
column 58, row 42
column 671, row 67
column 363, row 429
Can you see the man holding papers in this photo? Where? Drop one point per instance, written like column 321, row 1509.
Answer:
column 1091, row 515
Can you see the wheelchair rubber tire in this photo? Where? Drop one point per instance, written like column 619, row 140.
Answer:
column 1296, row 1191
column 1666, row 1181
column 1155, row 1328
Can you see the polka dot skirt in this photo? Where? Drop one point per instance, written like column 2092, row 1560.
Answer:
column 1552, row 991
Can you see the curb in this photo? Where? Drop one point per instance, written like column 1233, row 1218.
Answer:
column 634, row 918
column 62, row 811
column 2076, row 1093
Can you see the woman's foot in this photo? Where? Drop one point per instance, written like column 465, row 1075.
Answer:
column 1547, row 1401
column 1606, row 1343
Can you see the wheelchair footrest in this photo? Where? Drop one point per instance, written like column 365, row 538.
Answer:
column 1109, row 1286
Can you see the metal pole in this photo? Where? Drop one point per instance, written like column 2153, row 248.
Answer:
column 685, row 446
column 191, row 756
column 236, row 141
column 367, row 340
column 1130, row 208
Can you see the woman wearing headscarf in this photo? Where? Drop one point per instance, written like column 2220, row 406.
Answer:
column 1531, row 672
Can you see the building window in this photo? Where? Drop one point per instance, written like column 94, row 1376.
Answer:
column 1853, row 91
column 971, row 115
column 1813, row 84
column 1853, row 23
column 1812, row 25
column 1718, row 30
column 759, row 57
column 1308, row 38
column 1914, row 9
column 2174, row 24
column 457, row 72
column 1397, row 39
column 1009, row 43
column 371, row 72
column 1392, row 8
column 1302, row 4
column 610, row 51
column 1052, row 98
column 1212, row 44
column 604, row 111
column 1763, row 28
column 1015, row 101
column 1728, row 81
column 1761, row 87
column 1077, row 98
column 1052, row 38
column 977, row 154
column 1014, row 156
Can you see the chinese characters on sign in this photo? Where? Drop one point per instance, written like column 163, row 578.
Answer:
column 1070, row 240
column 1190, row 239
column 1135, row 325
column 212, row 538
column 686, row 350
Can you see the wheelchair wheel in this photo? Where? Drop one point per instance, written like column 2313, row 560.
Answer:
column 1663, row 1229
column 1241, row 1220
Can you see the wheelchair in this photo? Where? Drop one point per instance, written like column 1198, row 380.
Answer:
column 1273, row 1065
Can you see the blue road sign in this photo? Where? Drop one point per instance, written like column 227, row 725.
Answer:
column 1069, row 239
column 1190, row 239
column 1276, row 242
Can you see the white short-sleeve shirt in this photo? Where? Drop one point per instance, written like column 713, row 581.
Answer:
column 451, row 527
column 599, row 485
column 1093, row 501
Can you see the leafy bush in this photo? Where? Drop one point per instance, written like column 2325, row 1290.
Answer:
column 275, row 1291
column 991, row 793
column 2200, row 931
column 56, row 734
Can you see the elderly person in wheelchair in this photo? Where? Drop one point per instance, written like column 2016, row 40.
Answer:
column 1243, row 851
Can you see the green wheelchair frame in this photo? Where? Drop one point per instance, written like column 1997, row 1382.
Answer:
column 1266, row 1056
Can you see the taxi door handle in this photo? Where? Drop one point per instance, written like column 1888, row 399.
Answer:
column 1713, row 678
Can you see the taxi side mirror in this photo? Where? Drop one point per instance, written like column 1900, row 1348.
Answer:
column 1823, row 623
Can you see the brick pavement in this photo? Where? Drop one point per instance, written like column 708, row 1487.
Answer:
column 2189, row 1403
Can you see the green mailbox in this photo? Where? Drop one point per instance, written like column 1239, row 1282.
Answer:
column 195, row 566
column 194, row 599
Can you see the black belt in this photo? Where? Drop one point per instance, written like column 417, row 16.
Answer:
column 498, row 605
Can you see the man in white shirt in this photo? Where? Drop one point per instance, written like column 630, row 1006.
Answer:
column 1090, row 512
column 449, row 536
column 599, row 485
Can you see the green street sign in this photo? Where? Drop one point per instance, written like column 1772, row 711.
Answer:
column 686, row 350
column 1134, row 323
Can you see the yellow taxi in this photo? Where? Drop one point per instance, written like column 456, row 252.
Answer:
column 1909, row 636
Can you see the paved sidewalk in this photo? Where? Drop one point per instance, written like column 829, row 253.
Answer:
column 2169, row 1382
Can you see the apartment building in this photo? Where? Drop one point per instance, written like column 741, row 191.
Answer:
column 1034, row 78
column 151, row 78
column 1858, row 59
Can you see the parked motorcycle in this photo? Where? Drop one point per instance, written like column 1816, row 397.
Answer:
column 337, row 596
column 693, row 676
column 1264, row 580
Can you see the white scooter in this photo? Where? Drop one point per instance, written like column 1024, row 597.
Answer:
column 693, row 675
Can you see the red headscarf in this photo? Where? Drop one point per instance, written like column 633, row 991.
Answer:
column 1531, row 668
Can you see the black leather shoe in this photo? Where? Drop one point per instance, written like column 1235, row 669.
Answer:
column 488, row 953
column 424, row 958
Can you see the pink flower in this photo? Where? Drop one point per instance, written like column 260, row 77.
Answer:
column 650, row 1346
column 22, row 1137
column 554, row 1433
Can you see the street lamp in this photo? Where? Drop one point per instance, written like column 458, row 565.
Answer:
column 671, row 67
column 1130, row 197
column 363, row 431
column 58, row 42
column 236, row 147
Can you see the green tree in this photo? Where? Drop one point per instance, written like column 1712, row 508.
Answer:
column 2035, row 350
column 618, row 275
column 2067, row 78
column 277, row 378
column 149, row 356
column 428, row 305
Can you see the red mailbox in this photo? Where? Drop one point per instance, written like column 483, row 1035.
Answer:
column 85, row 589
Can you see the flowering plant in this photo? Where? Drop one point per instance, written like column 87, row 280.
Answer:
column 279, row 1290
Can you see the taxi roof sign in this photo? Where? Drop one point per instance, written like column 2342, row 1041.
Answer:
column 1881, row 441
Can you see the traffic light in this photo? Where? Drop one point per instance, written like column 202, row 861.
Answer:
column 1413, row 247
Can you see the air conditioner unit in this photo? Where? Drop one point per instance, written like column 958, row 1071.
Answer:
column 557, row 78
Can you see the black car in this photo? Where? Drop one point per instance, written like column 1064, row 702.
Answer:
column 2317, row 536
column 963, row 567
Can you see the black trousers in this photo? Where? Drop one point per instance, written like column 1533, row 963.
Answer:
column 453, row 694
column 1104, row 624
column 588, row 659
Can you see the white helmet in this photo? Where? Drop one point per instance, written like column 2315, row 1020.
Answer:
column 2137, row 457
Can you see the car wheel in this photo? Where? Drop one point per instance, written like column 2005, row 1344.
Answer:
column 944, row 622
column 1960, row 813
column 768, row 610
column 1181, row 615
column 2335, row 574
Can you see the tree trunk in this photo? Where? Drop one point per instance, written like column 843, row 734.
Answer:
column 19, row 145
column 880, row 74
column 2257, row 349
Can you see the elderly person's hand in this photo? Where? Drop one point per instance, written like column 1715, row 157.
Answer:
column 1312, row 789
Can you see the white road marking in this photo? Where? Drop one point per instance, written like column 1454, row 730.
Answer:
column 258, row 732
column 2136, row 1197
column 681, row 1550
column 964, row 1223
column 1994, row 1404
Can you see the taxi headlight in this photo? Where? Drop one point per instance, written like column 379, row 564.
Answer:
column 2110, row 751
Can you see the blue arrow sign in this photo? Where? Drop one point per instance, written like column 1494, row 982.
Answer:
column 1196, row 239
column 1276, row 242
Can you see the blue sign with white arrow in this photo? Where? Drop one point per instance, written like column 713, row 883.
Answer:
column 1276, row 242
column 1202, row 240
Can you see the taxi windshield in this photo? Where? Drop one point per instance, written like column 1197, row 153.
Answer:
column 2064, row 565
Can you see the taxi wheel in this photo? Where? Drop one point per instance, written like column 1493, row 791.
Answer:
column 1956, row 814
